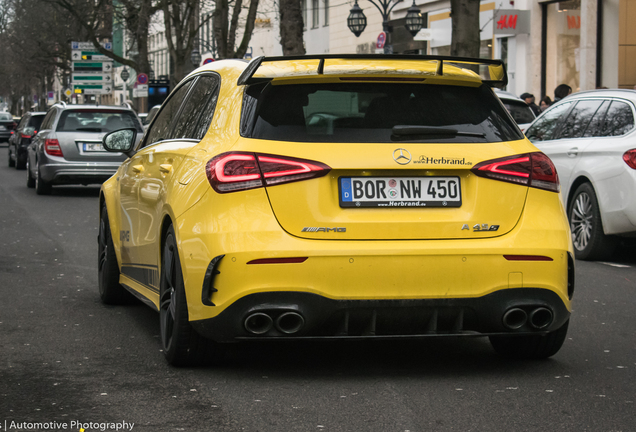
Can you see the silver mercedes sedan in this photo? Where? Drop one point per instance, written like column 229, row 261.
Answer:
column 68, row 149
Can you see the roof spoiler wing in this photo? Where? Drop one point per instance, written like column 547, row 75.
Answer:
column 492, row 72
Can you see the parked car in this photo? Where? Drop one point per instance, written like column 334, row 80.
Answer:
column 591, row 138
column 27, row 128
column 7, row 126
column 404, row 209
column 68, row 149
column 518, row 108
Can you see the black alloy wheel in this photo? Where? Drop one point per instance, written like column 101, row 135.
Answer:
column 30, row 180
column 530, row 347
column 42, row 187
column 110, row 291
column 181, row 344
column 588, row 238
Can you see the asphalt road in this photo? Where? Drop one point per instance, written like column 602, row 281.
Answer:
column 66, row 358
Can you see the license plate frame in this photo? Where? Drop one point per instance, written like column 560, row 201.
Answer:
column 399, row 192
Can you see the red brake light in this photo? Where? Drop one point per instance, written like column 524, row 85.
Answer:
column 237, row 171
column 52, row 147
column 630, row 158
column 530, row 169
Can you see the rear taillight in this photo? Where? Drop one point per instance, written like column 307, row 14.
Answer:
column 52, row 147
column 630, row 158
column 237, row 171
column 530, row 169
column 24, row 136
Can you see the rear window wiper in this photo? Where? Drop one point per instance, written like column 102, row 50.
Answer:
column 402, row 130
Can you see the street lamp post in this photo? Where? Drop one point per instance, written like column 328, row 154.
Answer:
column 357, row 21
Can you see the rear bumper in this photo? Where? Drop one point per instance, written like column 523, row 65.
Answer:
column 311, row 316
column 78, row 173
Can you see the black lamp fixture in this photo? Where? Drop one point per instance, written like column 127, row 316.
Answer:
column 151, row 74
column 356, row 21
column 195, row 57
column 414, row 20
column 125, row 74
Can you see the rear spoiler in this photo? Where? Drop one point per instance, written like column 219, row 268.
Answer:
column 492, row 72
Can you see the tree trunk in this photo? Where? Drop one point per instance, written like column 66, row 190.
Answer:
column 465, row 39
column 291, row 27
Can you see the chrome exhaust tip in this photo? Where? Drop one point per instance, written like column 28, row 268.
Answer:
column 541, row 317
column 290, row 322
column 515, row 318
column 258, row 323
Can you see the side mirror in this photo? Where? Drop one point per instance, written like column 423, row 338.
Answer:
column 120, row 141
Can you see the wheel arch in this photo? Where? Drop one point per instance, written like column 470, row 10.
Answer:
column 107, row 195
column 573, row 187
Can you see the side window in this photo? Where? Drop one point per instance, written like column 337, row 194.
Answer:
column 188, row 121
column 544, row 127
column 47, row 123
column 23, row 122
column 578, row 119
column 207, row 114
column 161, row 126
column 619, row 119
column 595, row 127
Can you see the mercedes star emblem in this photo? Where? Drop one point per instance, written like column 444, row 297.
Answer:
column 401, row 156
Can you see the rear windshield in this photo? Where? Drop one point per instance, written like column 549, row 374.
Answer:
column 93, row 120
column 5, row 117
column 520, row 111
column 375, row 113
column 35, row 121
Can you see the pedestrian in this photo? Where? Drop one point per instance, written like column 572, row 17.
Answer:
column 529, row 98
column 545, row 103
column 562, row 91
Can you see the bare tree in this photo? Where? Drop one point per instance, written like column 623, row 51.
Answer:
column 291, row 27
column 465, row 40
column 226, row 27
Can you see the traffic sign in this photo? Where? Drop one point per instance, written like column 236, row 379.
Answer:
column 208, row 60
column 142, row 78
column 82, row 66
column 89, row 45
column 68, row 92
column 381, row 40
column 92, row 78
column 88, row 55
column 93, row 89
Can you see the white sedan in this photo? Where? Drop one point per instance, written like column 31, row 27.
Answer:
column 591, row 138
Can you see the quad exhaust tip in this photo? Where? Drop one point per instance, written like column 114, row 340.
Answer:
column 541, row 317
column 290, row 322
column 515, row 318
column 258, row 323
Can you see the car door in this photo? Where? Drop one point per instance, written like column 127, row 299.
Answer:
column 570, row 142
column 135, row 177
column 163, row 160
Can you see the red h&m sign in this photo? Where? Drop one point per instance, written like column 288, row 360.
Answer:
column 574, row 22
column 511, row 21
column 507, row 21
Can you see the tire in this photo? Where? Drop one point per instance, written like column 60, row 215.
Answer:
column 182, row 345
column 20, row 162
column 530, row 347
column 590, row 243
column 110, row 291
column 11, row 161
column 42, row 187
column 30, row 180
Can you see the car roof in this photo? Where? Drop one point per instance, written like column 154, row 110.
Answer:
column 93, row 106
column 620, row 93
column 502, row 94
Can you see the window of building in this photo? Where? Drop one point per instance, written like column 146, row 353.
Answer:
column 326, row 12
column 315, row 13
column 304, row 8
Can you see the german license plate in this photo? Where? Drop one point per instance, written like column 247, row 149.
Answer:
column 93, row 147
column 400, row 192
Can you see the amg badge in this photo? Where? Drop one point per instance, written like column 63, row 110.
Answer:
column 325, row 230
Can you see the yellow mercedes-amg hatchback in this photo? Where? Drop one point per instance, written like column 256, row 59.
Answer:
column 338, row 196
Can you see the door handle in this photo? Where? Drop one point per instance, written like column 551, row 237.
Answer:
column 574, row 151
column 138, row 168
column 165, row 168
